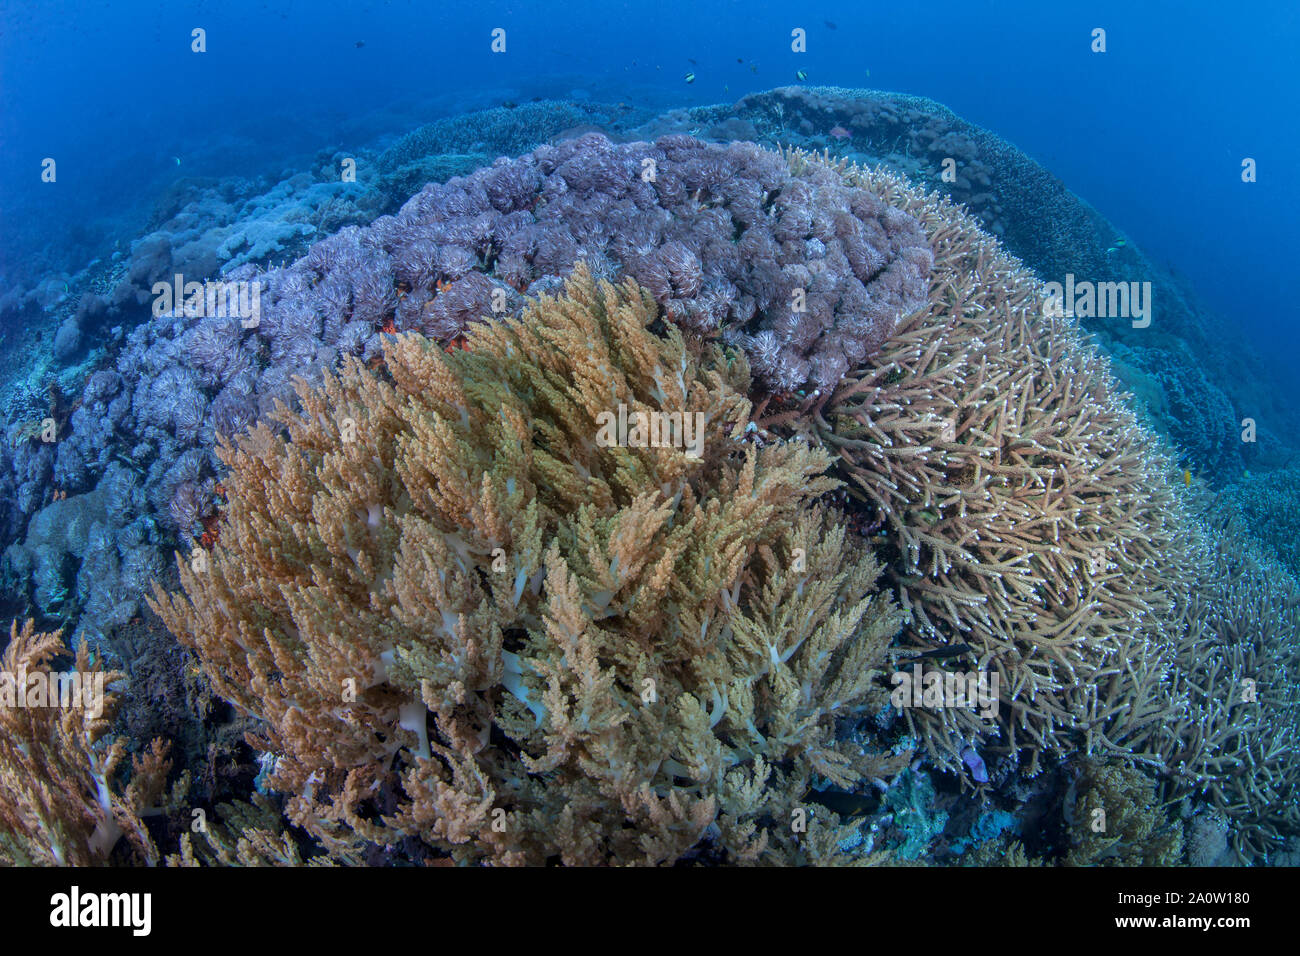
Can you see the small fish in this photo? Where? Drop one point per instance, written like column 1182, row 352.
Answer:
column 360, row 44
column 178, row 160
column 690, row 77
column 867, row 74
column 691, row 62
column 830, row 25
column 1119, row 244
column 753, row 68
column 975, row 763
column 1187, row 477
column 740, row 59
column 839, row 132
column 726, row 89
column 800, row 75
column 509, row 104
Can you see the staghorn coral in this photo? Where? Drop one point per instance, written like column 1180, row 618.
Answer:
column 1234, row 741
column 1030, row 513
column 57, row 769
column 560, row 650
column 1033, row 520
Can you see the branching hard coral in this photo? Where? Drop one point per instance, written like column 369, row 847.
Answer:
column 1030, row 513
column 60, row 805
column 1237, row 656
column 1034, row 520
column 466, row 618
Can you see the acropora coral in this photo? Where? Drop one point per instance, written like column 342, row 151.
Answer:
column 1034, row 520
column 1029, row 512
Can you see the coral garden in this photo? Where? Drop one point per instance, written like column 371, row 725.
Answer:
column 431, row 612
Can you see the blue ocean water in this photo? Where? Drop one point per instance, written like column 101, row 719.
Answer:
column 1152, row 132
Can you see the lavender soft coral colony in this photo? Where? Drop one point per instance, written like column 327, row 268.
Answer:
column 806, row 274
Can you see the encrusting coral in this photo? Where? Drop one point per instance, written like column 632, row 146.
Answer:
column 62, row 806
column 467, row 617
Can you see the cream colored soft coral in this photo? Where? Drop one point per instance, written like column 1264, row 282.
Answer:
column 463, row 619
column 59, row 805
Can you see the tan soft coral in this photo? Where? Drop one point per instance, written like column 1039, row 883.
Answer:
column 466, row 620
column 1117, row 820
column 61, row 805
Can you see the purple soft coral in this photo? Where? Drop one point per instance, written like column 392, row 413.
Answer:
column 805, row 273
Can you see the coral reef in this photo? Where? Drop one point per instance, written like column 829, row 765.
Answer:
column 559, row 647
column 804, row 273
column 1027, row 522
column 1041, row 222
